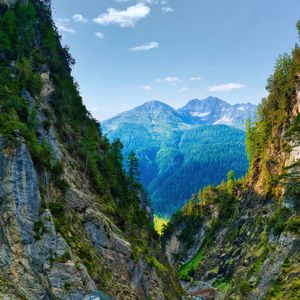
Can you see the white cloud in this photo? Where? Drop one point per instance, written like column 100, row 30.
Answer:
column 124, row 18
column 149, row 1
column 183, row 89
column 79, row 18
column 99, row 35
column 173, row 80
column 65, row 29
column 195, row 78
column 146, row 47
column 145, row 87
column 167, row 9
column 226, row 87
column 162, row 2
column 62, row 26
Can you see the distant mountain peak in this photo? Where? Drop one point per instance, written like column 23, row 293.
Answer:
column 155, row 104
column 209, row 100
column 208, row 111
column 213, row 110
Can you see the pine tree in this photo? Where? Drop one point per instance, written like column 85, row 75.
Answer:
column 133, row 172
column 133, row 167
column 250, row 140
column 230, row 182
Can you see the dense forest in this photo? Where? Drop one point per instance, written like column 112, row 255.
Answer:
column 177, row 164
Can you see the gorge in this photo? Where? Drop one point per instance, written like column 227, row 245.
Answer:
column 76, row 225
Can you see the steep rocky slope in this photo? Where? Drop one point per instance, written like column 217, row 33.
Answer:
column 241, row 240
column 72, row 222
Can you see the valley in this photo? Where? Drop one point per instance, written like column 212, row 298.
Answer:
column 220, row 221
column 180, row 153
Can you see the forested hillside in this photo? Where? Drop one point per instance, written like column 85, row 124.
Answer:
column 240, row 239
column 72, row 221
column 176, row 156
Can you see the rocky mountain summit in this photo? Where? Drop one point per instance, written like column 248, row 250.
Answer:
column 215, row 111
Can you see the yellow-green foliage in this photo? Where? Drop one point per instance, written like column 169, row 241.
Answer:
column 159, row 224
column 158, row 265
column 222, row 285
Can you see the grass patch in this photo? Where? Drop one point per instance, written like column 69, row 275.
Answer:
column 159, row 224
column 187, row 269
column 222, row 285
column 158, row 265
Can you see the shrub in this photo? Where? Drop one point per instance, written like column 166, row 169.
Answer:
column 278, row 221
column 293, row 224
column 245, row 287
column 39, row 229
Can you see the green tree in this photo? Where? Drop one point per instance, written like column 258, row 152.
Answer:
column 230, row 182
column 250, row 140
column 133, row 167
column 133, row 172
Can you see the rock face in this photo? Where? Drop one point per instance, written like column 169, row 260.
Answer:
column 37, row 260
column 34, row 257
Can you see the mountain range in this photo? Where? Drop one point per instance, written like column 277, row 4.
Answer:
column 209, row 111
column 180, row 150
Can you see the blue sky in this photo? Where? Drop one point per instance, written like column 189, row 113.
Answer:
column 131, row 51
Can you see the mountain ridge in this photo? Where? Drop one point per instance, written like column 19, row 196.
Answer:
column 208, row 111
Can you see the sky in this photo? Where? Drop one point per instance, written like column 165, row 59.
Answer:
column 128, row 52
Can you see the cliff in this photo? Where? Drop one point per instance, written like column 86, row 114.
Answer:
column 72, row 221
column 241, row 240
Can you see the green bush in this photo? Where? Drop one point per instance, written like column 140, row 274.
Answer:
column 293, row 224
column 39, row 229
column 64, row 258
column 245, row 287
column 279, row 219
